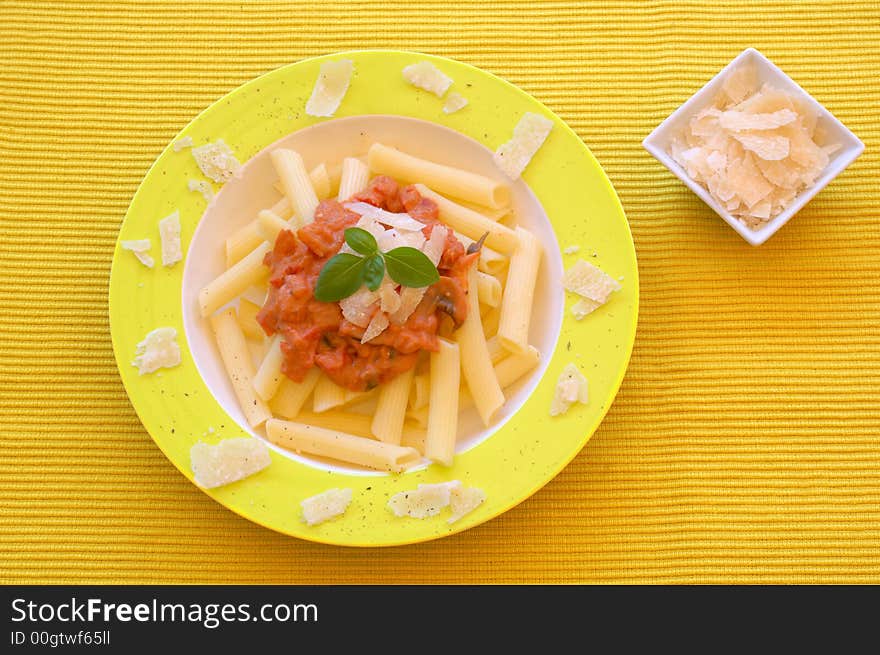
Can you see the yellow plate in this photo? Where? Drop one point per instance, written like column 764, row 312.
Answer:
column 520, row 454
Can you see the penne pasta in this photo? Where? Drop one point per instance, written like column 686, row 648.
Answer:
column 247, row 319
column 355, row 176
column 475, row 361
column 470, row 223
column 297, row 184
column 300, row 437
column 420, row 390
column 328, row 395
column 268, row 377
column 491, row 261
column 249, row 236
column 490, row 321
column 390, row 412
column 496, row 350
column 516, row 307
column 488, row 289
column 237, row 361
column 507, row 371
column 271, row 224
column 361, row 426
column 418, row 416
column 445, row 179
column 291, row 396
column 443, row 404
column 234, row 281
column 320, row 181
column 493, row 214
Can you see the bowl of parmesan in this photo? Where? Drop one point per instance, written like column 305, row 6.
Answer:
column 754, row 146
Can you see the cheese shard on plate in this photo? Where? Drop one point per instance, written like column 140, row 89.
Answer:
column 454, row 102
column 158, row 350
column 228, row 461
column 169, row 234
column 427, row 500
column 570, row 388
column 202, row 187
column 463, row 501
column 590, row 282
column 182, row 143
column 584, row 307
column 325, row 506
column 330, row 88
column 140, row 248
column 216, row 161
column 427, row 76
column 529, row 134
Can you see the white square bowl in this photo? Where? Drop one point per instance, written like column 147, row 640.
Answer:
column 657, row 142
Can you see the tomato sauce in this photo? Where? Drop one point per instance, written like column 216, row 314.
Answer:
column 316, row 334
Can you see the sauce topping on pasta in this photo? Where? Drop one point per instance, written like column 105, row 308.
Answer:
column 317, row 334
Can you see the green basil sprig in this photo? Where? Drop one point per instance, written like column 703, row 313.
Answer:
column 343, row 274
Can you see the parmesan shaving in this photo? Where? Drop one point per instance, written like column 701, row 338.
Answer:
column 158, row 350
column 427, row 76
column 378, row 324
column 202, row 187
column 325, row 506
column 427, row 500
column 570, row 250
column 463, row 501
column 590, row 282
column 330, row 87
column 400, row 221
column 570, row 388
column 216, row 161
column 139, row 248
column 584, row 307
column 359, row 307
column 169, row 235
column 183, row 143
column 529, row 134
column 435, row 246
column 454, row 103
column 754, row 149
column 229, row 461
column 388, row 297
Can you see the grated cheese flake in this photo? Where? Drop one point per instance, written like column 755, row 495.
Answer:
column 359, row 307
column 454, row 102
column 378, row 324
column 202, row 187
column 330, row 88
column 427, row 76
column 529, row 134
column 183, row 143
column 571, row 387
column 589, row 281
column 169, row 235
column 570, row 250
column 754, row 149
column 463, row 501
column 427, row 500
column 325, row 506
column 584, row 307
column 139, row 248
column 158, row 350
column 229, row 461
column 216, row 161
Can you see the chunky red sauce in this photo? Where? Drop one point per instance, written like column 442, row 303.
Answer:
column 316, row 334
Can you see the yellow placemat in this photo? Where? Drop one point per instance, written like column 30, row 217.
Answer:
column 744, row 445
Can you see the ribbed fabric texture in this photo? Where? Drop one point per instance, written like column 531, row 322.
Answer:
column 744, row 445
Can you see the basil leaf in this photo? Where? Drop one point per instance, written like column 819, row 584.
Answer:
column 340, row 277
column 410, row 267
column 374, row 272
column 361, row 241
